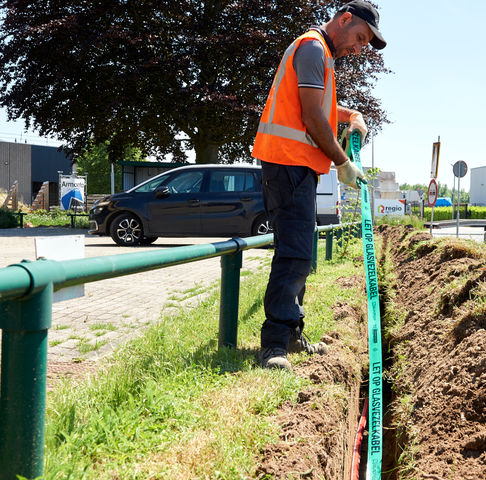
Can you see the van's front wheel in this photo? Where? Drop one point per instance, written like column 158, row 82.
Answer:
column 126, row 230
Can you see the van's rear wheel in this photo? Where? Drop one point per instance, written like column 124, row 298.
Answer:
column 261, row 225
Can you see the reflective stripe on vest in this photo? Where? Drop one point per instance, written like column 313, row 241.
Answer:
column 286, row 132
column 291, row 133
column 327, row 103
column 280, row 75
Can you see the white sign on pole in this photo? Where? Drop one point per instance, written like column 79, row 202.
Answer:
column 64, row 247
column 72, row 192
column 432, row 193
column 384, row 207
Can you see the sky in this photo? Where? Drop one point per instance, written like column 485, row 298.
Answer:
column 436, row 51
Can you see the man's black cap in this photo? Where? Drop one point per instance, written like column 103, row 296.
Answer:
column 369, row 14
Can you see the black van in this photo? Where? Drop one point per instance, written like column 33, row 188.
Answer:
column 194, row 200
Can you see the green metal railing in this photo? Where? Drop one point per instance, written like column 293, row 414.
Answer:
column 26, row 291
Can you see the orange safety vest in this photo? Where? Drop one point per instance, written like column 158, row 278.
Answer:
column 282, row 136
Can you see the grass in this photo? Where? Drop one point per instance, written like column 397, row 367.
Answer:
column 169, row 404
column 103, row 326
column 413, row 220
column 84, row 346
column 57, row 218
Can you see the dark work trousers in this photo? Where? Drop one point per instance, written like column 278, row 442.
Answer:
column 289, row 195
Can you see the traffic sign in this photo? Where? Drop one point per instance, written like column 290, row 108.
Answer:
column 460, row 169
column 432, row 193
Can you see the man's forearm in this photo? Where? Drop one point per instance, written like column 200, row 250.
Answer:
column 321, row 132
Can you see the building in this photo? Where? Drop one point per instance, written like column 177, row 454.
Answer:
column 134, row 173
column 478, row 186
column 386, row 186
column 31, row 165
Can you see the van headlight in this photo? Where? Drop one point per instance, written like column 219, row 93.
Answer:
column 98, row 207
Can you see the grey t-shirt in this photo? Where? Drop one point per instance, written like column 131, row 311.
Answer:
column 309, row 63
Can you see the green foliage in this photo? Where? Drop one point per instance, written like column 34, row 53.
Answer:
column 445, row 213
column 94, row 162
column 171, row 405
column 165, row 77
column 403, row 220
column 57, row 218
column 443, row 191
column 8, row 219
column 476, row 212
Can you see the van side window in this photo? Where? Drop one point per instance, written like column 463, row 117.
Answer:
column 229, row 181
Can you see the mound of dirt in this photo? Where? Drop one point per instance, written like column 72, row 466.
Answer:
column 440, row 353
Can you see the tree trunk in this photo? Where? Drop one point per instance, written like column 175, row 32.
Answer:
column 206, row 152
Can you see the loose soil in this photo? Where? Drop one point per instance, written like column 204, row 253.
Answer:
column 318, row 431
column 434, row 309
column 440, row 353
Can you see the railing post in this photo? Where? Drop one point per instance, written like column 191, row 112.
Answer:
column 314, row 251
column 230, row 294
column 23, row 386
column 329, row 236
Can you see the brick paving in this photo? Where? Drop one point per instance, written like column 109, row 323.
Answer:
column 115, row 310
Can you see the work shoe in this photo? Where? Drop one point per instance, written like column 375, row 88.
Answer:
column 299, row 342
column 274, row 357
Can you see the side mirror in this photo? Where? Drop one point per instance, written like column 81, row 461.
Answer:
column 162, row 192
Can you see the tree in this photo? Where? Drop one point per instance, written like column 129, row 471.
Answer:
column 162, row 76
column 94, row 163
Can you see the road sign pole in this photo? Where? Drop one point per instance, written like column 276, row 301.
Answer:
column 453, row 202
column 432, row 194
column 458, row 215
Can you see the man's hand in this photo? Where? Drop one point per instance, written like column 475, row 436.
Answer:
column 350, row 174
column 356, row 122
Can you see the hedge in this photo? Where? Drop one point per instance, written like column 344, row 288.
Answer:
column 8, row 219
column 445, row 213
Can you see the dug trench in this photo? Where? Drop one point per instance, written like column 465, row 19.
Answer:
column 433, row 301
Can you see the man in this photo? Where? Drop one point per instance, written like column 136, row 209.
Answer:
column 296, row 141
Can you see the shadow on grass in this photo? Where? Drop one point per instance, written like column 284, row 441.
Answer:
column 223, row 360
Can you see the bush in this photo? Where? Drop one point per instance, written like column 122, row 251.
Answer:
column 477, row 212
column 8, row 219
column 445, row 213
column 57, row 218
column 404, row 220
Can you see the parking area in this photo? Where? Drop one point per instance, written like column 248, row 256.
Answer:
column 115, row 310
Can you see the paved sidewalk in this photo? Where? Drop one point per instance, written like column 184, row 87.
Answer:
column 115, row 310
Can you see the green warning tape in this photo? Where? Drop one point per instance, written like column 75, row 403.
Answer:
column 375, row 439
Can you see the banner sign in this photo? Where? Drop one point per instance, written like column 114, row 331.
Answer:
column 375, row 439
column 72, row 192
column 388, row 208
